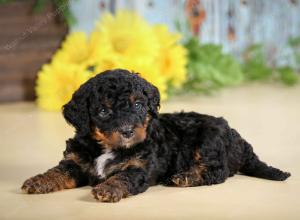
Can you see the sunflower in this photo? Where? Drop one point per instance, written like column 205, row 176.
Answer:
column 128, row 37
column 107, row 62
column 151, row 73
column 165, row 37
column 172, row 56
column 121, row 41
column 57, row 82
column 172, row 62
column 80, row 50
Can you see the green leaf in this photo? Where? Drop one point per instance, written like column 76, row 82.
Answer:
column 294, row 41
column 209, row 68
column 288, row 76
column 39, row 5
column 6, row 1
column 255, row 66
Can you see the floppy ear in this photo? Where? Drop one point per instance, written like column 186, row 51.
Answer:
column 154, row 100
column 76, row 111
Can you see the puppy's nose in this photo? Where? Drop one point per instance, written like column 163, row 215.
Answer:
column 126, row 132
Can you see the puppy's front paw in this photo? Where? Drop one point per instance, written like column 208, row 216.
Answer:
column 105, row 192
column 51, row 181
column 37, row 185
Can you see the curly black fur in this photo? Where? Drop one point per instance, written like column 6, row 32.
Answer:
column 115, row 114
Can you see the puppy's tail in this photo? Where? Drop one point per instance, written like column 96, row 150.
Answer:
column 255, row 167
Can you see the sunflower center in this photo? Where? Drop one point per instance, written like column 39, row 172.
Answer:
column 82, row 57
column 121, row 44
column 108, row 64
column 167, row 63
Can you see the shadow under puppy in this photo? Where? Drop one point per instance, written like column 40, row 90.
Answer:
column 122, row 145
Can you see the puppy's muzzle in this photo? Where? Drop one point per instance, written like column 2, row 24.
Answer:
column 126, row 131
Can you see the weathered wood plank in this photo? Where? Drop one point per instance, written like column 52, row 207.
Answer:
column 27, row 41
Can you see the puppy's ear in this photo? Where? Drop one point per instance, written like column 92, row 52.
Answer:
column 76, row 111
column 154, row 100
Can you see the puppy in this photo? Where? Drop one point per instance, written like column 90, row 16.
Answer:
column 123, row 145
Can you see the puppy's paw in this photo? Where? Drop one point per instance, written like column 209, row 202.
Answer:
column 180, row 180
column 105, row 192
column 38, row 184
column 51, row 181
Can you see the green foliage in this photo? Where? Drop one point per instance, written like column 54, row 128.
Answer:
column 209, row 68
column 255, row 66
column 6, row 1
column 288, row 76
column 294, row 41
column 62, row 7
column 294, row 44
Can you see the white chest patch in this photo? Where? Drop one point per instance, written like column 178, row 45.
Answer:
column 101, row 162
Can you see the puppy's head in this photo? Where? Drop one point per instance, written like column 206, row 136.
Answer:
column 114, row 108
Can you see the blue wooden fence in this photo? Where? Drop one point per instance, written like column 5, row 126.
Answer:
column 235, row 24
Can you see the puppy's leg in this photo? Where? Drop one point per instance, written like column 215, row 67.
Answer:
column 66, row 175
column 123, row 184
column 191, row 177
column 200, row 173
column 210, row 162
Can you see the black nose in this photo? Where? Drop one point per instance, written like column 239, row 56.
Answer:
column 126, row 132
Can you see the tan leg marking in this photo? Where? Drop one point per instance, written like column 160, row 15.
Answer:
column 51, row 181
column 74, row 157
column 133, row 162
column 192, row 177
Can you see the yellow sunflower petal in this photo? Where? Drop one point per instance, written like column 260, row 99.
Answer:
column 172, row 64
column 128, row 37
column 56, row 83
column 150, row 72
column 172, row 57
column 165, row 37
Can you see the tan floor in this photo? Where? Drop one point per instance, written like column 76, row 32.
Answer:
column 267, row 116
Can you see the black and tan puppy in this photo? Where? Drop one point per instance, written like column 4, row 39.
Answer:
column 122, row 145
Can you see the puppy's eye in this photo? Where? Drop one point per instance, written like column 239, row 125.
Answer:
column 138, row 105
column 103, row 112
